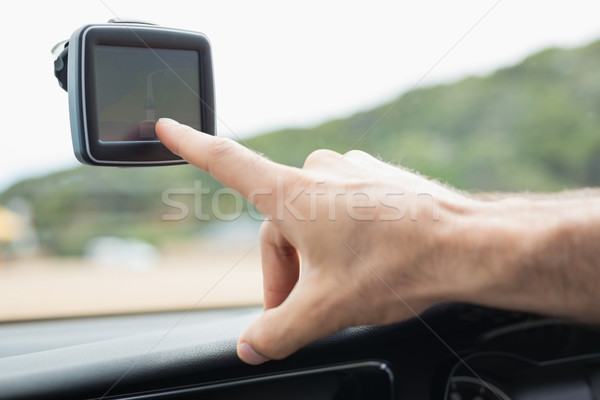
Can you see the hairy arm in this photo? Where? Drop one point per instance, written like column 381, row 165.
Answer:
column 350, row 240
column 566, row 194
column 538, row 253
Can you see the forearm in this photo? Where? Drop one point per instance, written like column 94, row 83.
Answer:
column 565, row 194
column 533, row 254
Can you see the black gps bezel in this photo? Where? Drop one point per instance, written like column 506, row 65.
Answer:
column 88, row 147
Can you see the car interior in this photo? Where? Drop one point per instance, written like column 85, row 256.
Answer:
column 529, row 125
column 452, row 351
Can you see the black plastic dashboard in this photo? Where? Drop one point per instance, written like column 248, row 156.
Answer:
column 452, row 351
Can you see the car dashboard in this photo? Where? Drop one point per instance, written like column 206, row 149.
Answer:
column 452, row 351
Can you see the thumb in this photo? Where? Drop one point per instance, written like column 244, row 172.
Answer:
column 305, row 316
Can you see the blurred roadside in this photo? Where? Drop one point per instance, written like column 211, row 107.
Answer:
column 191, row 276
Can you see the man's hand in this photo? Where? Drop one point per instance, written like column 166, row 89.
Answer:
column 349, row 240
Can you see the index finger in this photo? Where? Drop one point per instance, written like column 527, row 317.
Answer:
column 227, row 161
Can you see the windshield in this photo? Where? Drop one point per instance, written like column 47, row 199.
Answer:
column 486, row 96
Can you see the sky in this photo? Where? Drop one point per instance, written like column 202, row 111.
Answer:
column 278, row 64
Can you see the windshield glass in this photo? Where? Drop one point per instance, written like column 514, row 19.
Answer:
column 486, row 96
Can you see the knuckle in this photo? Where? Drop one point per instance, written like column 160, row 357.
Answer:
column 356, row 155
column 220, row 147
column 265, row 231
column 217, row 151
column 320, row 156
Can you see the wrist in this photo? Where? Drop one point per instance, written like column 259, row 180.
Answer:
column 489, row 245
column 528, row 254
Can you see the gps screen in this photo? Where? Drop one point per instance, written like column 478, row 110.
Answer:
column 136, row 86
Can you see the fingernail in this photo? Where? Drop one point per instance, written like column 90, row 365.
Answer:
column 168, row 121
column 249, row 355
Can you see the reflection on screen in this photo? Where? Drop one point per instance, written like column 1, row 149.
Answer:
column 136, row 86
